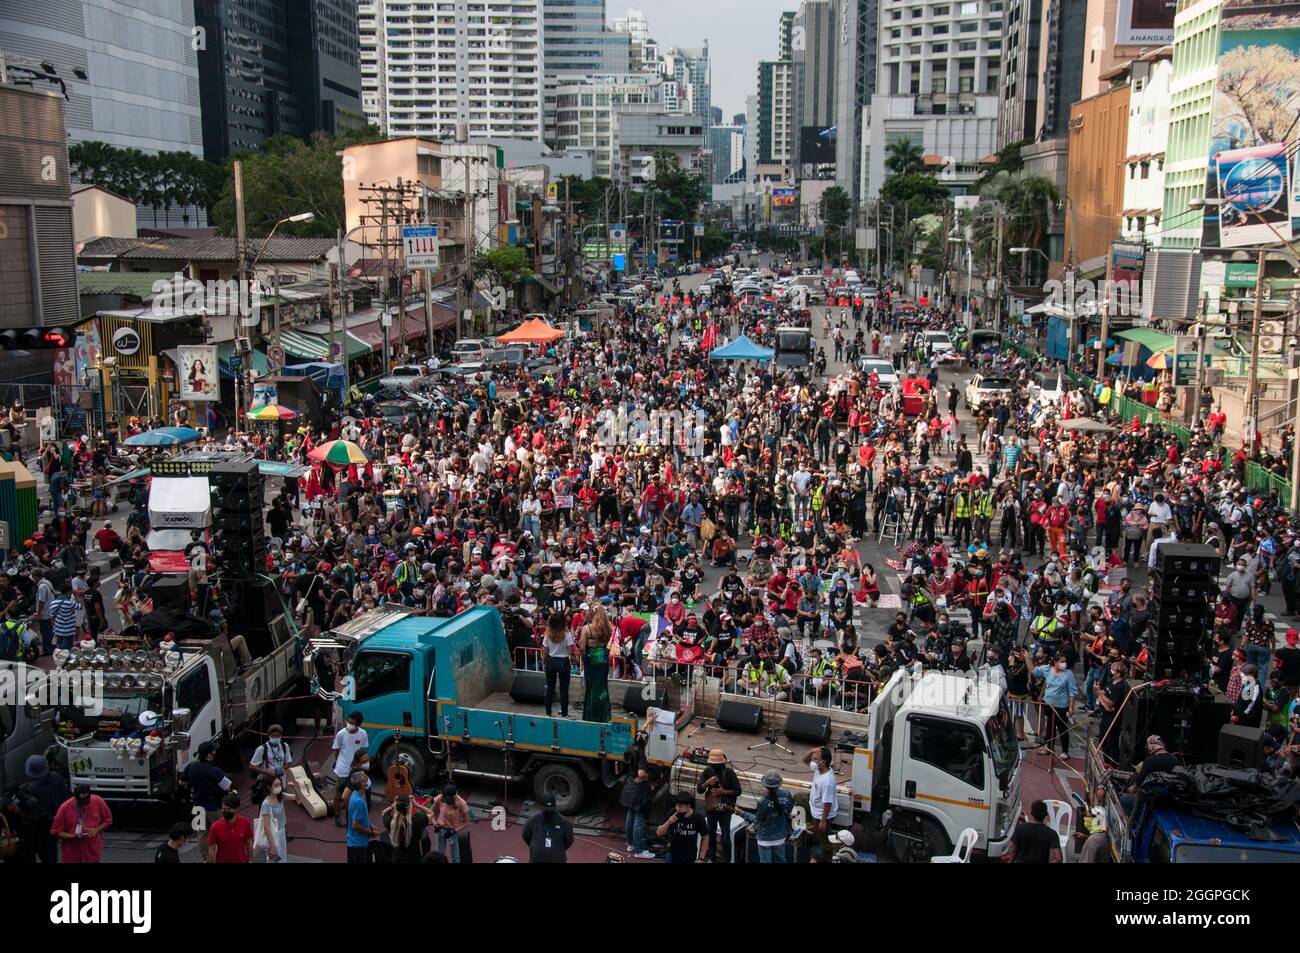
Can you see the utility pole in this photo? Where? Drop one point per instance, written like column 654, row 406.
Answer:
column 1252, row 380
column 997, row 268
column 243, row 347
column 339, row 314
column 1193, row 411
column 1105, row 315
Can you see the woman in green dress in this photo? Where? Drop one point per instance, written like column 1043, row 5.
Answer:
column 593, row 648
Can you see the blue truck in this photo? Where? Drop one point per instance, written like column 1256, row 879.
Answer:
column 445, row 692
column 1159, row 832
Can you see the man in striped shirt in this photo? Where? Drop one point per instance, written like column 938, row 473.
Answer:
column 65, row 612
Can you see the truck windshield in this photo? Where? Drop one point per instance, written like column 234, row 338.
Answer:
column 120, row 713
column 1004, row 749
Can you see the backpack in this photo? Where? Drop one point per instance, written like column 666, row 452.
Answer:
column 10, row 640
column 798, row 659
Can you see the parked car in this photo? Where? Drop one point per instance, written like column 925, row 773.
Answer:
column 471, row 349
column 982, row 389
column 936, row 343
column 885, row 371
column 1047, row 387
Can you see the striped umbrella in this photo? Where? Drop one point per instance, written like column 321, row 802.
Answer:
column 341, row 452
column 272, row 412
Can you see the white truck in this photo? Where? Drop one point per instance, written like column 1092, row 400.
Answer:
column 932, row 755
column 205, row 696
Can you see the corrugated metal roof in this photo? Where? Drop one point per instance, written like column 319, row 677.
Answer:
column 280, row 248
column 139, row 284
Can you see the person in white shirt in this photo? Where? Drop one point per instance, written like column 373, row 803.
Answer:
column 1169, row 536
column 1160, row 518
column 821, row 797
column 347, row 742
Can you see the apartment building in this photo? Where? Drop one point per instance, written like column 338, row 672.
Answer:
column 587, row 113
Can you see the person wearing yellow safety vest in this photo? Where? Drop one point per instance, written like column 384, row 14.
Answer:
column 983, row 511
column 761, row 677
column 820, row 670
column 961, row 515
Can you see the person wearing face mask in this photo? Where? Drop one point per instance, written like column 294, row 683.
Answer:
column 270, row 836
column 349, row 740
column 549, row 835
column 230, row 840
column 272, row 759
column 1060, row 690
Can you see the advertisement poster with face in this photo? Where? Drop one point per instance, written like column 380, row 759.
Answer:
column 198, row 376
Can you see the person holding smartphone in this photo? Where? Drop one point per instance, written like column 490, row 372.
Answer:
column 79, row 825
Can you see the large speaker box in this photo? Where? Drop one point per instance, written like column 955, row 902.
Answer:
column 1187, row 718
column 739, row 716
column 635, row 701
column 1187, row 561
column 528, row 688
column 1241, row 746
column 808, row 726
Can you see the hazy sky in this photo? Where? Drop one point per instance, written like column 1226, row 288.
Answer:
column 740, row 33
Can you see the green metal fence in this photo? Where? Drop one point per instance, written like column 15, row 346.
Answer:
column 1265, row 481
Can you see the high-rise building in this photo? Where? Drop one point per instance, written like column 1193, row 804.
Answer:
column 430, row 66
column 775, row 112
column 814, row 52
column 1043, row 74
column 587, row 113
column 270, row 69
column 727, row 142
column 856, row 26
column 142, row 85
column 937, row 83
column 785, row 36
column 643, row 50
column 576, row 43
column 689, row 69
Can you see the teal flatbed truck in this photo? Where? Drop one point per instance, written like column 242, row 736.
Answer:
column 445, row 692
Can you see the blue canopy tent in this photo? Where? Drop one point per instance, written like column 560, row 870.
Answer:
column 741, row 349
column 327, row 376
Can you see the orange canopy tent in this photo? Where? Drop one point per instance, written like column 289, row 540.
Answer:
column 532, row 331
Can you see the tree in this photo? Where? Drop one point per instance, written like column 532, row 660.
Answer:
column 834, row 207
column 1028, row 202
column 1008, row 160
column 1263, row 83
column 504, row 266
column 920, row 194
column 903, row 157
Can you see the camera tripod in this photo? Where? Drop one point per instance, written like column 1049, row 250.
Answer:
column 771, row 741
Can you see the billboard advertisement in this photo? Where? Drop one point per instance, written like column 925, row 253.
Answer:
column 785, row 197
column 198, row 372
column 1251, row 179
column 1145, row 22
column 817, row 145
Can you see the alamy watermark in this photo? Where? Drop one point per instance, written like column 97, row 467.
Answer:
column 231, row 297
column 61, row 688
column 1120, row 298
column 683, row 429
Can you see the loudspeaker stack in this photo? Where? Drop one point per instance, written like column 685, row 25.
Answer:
column 1182, row 590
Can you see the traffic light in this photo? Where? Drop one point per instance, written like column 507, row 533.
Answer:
column 34, row 339
column 239, row 536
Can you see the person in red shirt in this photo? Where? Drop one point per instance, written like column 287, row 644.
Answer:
column 108, row 539
column 1057, row 516
column 230, row 839
column 79, row 825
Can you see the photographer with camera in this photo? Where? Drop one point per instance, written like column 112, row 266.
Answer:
column 719, row 785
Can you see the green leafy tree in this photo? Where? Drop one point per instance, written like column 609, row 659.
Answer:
column 1028, row 203
column 834, row 207
column 503, row 266
column 919, row 194
column 1008, row 160
column 904, row 157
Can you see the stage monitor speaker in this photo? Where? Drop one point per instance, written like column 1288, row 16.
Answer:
column 528, row 688
column 1241, row 746
column 636, row 702
column 808, row 726
column 170, row 591
column 739, row 716
column 1187, row 718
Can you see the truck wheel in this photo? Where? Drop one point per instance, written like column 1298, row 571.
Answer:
column 564, row 783
column 419, row 774
column 933, row 843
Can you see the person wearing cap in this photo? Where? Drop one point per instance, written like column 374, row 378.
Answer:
column 79, row 825
column 450, row 817
column 548, row 834
column 720, row 786
column 772, row 819
column 1240, row 589
column 41, row 795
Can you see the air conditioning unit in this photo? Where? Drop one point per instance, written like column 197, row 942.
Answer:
column 1270, row 337
column 1214, row 377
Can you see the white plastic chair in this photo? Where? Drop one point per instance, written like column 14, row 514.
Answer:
column 1060, row 818
column 966, row 841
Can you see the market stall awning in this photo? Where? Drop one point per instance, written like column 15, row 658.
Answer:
column 371, row 335
column 741, row 349
column 1148, row 337
column 180, row 503
column 413, row 327
column 224, row 353
column 533, row 331
column 307, row 346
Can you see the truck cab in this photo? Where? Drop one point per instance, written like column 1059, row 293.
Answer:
column 23, row 732
column 941, row 756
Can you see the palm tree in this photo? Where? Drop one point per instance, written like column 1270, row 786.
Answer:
column 1028, row 202
column 903, row 157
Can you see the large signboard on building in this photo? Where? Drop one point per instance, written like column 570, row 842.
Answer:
column 817, row 145
column 1145, row 22
column 785, row 197
column 1250, row 183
